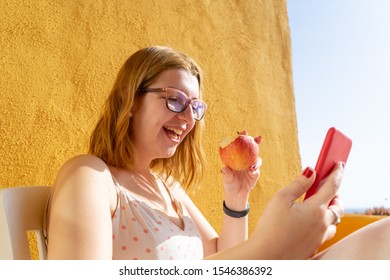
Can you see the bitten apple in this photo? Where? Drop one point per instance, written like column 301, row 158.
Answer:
column 240, row 153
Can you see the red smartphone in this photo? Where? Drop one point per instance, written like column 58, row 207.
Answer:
column 336, row 147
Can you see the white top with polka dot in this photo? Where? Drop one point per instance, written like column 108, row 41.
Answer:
column 142, row 233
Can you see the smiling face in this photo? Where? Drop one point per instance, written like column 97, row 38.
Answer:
column 158, row 131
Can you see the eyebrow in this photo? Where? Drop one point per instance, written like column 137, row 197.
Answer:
column 193, row 98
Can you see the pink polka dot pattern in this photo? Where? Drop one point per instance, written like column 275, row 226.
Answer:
column 141, row 233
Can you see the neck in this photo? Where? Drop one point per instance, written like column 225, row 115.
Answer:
column 141, row 165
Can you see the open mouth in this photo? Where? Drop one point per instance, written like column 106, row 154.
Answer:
column 173, row 133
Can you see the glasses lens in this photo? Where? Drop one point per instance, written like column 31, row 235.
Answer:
column 198, row 108
column 176, row 101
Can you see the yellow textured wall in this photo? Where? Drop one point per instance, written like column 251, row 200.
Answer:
column 59, row 59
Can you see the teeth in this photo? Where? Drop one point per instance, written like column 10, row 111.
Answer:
column 175, row 130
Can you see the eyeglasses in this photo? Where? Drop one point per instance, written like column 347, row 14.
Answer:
column 177, row 101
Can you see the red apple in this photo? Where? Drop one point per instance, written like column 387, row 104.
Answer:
column 240, row 153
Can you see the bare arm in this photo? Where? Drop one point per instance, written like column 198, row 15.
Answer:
column 288, row 229
column 237, row 187
column 80, row 214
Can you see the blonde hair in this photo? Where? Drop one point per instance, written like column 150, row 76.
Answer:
column 112, row 138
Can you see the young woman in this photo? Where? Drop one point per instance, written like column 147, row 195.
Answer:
column 126, row 199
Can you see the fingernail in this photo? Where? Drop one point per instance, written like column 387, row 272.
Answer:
column 308, row 172
column 257, row 164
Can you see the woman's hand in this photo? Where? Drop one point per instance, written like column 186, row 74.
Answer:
column 294, row 230
column 238, row 184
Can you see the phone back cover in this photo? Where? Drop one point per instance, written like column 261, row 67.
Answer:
column 336, row 148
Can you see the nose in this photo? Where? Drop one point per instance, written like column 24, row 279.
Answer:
column 187, row 114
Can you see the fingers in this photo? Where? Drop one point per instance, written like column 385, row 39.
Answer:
column 330, row 186
column 300, row 185
column 257, row 164
column 228, row 174
column 254, row 170
column 336, row 201
column 330, row 232
column 335, row 211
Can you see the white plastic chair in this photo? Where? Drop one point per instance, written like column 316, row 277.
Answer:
column 21, row 222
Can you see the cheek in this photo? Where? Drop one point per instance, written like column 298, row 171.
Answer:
column 190, row 129
column 151, row 114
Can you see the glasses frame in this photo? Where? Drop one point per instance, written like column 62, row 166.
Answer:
column 188, row 100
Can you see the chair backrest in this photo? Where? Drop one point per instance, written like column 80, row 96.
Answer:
column 21, row 215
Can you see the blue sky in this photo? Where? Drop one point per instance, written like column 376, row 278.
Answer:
column 341, row 73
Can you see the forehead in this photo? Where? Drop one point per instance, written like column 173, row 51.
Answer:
column 180, row 79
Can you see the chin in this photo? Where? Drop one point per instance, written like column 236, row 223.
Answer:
column 170, row 152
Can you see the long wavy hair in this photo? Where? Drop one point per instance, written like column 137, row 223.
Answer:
column 112, row 138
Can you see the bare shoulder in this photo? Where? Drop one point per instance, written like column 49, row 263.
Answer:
column 82, row 202
column 84, row 176
column 84, row 161
column 84, row 165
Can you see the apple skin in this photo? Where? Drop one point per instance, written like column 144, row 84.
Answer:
column 241, row 153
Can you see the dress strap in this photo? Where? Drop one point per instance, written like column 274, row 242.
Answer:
column 177, row 203
column 45, row 221
column 117, row 189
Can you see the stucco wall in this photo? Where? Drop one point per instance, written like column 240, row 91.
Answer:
column 59, row 59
